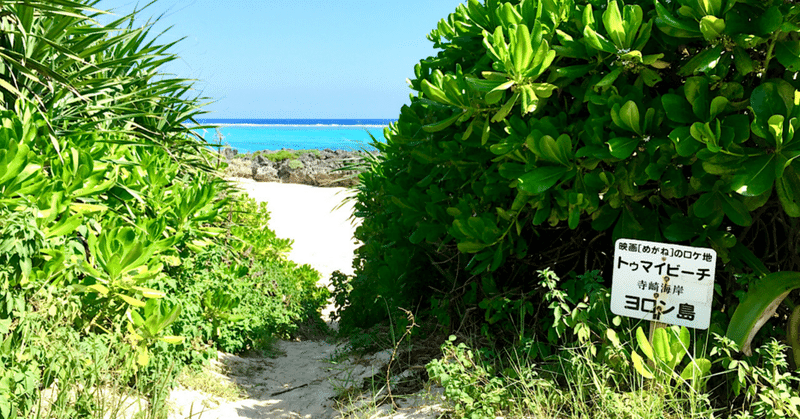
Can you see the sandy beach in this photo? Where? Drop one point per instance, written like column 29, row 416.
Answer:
column 317, row 219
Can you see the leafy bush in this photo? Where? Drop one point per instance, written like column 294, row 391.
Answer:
column 592, row 365
column 281, row 155
column 123, row 253
column 544, row 130
column 582, row 368
column 87, row 77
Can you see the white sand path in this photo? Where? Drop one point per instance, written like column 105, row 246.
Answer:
column 316, row 218
column 301, row 383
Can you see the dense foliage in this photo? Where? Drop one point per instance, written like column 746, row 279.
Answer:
column 544, row 130
column 123, row 254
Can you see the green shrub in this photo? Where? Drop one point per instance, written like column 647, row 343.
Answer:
column 124, row 255
column 544, row 130
column 282, row 155
column 295, row 164
column 585, row 367
column 592, row 365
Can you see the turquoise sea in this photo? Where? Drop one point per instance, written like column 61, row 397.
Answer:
column 248, row 135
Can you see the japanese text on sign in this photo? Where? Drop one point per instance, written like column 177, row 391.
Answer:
column 663, row 282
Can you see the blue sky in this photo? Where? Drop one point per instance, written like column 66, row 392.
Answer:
column 298, row 58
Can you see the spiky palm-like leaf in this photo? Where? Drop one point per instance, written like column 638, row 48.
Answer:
column 85, row 76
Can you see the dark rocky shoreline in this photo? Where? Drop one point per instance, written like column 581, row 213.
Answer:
column 309, row 167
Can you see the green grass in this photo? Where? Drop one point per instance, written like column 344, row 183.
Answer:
column 282, row 155
column 570, row 384
column 211, row 384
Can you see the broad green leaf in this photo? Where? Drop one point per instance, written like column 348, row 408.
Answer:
column 711, row 7
column 435, row 93
column 468, row 131
column 443, row 124
column 529, row 99
column 543, row 90
column 632, row 15
column 612, row 20
column 741, row 59
column 130, row 300
column 597, row 41
column 704, row 134
column 788, row 190
column 502, row 148
column 5, row 326
column 609, row 78
column 418, row 236
column 99, row 288
column 471, row 247
column 718, row 105
column 574, row 217
column 175, row 312
column 702, row 62
column 587, row 16
column 135, row 318
column 678, row 109
column 640, row 367
column 757, row 176
column 680, row 340
column 508, row 14
column 149, row 292
column 17, row 163
column 629, row 115
column 706, row 205
column 644, row 344
column 736, row 211
column 494, row 96
column 495, row 44
column 672, row 26
column 759, row 305
column 143, row 356
column 661, row 346
column 486, row 86
column 775, row 124
column 775, row 97
column 604, row 218
column 510, row 171
column 506, row 109
column 623, row 147
column 685, row 144
column 769, row 22
column 65, row 225
column 696, row 90
column 712, row 27
column 555, row 151
column 133, row 257
column 521, row 46
column 172, row 340
column 787, row 53
column 678, row 232
column 80, row 208
column 541, row 179
column 697, row 369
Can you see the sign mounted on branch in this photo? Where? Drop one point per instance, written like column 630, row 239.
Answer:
column 663, row 282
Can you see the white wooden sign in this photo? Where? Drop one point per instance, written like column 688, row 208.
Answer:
column 663, row 282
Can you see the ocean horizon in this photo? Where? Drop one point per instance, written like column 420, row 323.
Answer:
column 250, row 134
